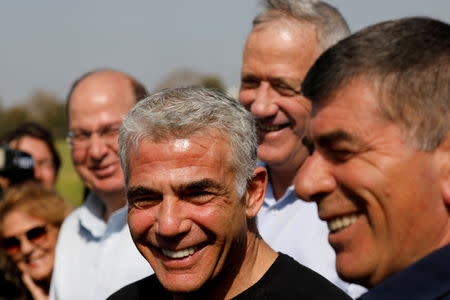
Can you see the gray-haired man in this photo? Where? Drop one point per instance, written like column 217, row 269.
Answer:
column 194, row 189
column 286, row 39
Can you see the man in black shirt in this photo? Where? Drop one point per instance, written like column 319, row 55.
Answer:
column 194, row 189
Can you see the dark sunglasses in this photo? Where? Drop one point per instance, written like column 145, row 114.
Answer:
column 35, row 235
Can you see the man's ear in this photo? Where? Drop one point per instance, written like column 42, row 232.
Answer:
column 256, row 191
column 442, row 154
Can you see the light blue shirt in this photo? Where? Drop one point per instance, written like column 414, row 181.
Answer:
column 293, row 227
column 94, row 259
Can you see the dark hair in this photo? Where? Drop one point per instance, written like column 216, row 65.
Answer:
column 34, row 130
column 408, row 61
column 140, row 92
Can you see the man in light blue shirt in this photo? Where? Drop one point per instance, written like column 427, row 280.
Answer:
column 286, row 39
column 95, row 255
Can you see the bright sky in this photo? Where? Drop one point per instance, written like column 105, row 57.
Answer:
column 48, row 43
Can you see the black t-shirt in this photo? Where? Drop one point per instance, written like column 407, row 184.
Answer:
column 285, row 279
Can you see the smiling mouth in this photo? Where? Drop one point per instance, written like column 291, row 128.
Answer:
column 340, row 223
column 268, row 128
column 34, row 260
column 179, row 253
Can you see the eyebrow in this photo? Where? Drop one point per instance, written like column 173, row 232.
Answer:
column 279, row 80
column 139, row 191
column 337, row 136
column 202, row 184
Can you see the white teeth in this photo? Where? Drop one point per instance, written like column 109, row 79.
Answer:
column 179, row 253
column 339, row 223
column 270, row 127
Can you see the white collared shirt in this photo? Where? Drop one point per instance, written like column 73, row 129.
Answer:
column 292, row 226
column 93, row 258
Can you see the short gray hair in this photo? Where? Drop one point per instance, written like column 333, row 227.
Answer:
column 183, row 112
column 331, row 25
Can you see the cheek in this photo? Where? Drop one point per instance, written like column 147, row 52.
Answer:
column 140, row 222
column 298, row 109
column 49, row 174
column 52, row 239
column 246, row 97
column 78, row 157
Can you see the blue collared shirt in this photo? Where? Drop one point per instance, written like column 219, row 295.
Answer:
column 93, row 258
column 428, row 278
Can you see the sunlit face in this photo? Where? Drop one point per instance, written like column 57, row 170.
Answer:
column 44, row 168
column 380, row 197
column 32, row 257
column 97, row 105
column 185, row 216
column 275, row 62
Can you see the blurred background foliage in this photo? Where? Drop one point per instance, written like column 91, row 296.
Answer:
column 48, row 110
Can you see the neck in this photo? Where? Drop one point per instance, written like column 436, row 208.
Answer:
column 280, row 179
column 240, row 274
column 112, row 201
column 282, row 176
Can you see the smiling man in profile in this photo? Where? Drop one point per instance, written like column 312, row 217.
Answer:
column 379, row 168
column 194, row 189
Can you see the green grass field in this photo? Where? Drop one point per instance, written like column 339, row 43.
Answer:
column 69, row 184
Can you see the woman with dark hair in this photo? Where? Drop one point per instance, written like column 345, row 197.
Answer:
column 30, row 217
column 37, row 141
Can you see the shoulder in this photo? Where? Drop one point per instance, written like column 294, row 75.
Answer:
column 287, row 279
column 305, row 281
column 146, row 288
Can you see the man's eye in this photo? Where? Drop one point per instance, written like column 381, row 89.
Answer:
column 112, row 131
column 198, row 197
column 143, row 203
column 340, row 155
column 81, row 135
column 248, row 83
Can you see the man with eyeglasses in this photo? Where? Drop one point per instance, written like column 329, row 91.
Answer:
column 95, row 255
column 286, row 39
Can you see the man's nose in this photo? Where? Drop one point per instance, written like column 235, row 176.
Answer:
column 314, row 178
column 171, row 221
column 97, row 146
column 264, row 104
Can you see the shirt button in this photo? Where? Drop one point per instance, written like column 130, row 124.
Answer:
column 274, row 211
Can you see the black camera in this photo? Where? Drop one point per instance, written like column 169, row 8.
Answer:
column 15, row 165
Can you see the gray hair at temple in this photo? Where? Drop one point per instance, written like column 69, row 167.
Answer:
column 184, row 112
column 408, row 63
column 330, row 24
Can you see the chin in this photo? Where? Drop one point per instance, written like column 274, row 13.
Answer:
column 43, row 273
column 184, row 287
column 108, row 185
column 44, row 276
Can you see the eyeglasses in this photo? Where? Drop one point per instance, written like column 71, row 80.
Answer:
column 81, row 138
column 35, row 235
